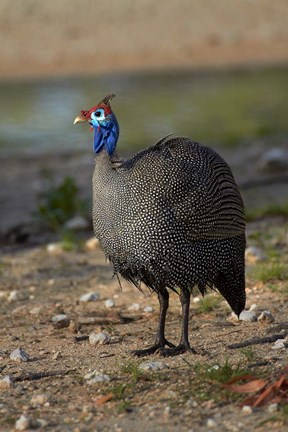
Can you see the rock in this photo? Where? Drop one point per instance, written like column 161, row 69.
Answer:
column 196, row 299
column 23, row 423
column 253, row 307
column 266, row 316
column 77, row 223
column 246, row 315
column 60, row 321
column 54, row 249
column 211, row 423
column 134, row 307
column 89, row 297
column 109, row 303
column 99, row 338
column 274, row 161
column 272, row 408
column 6, row 382
column 13, row 296
column 279, row 344
column 19, row 355
column 36, row 310
column 92, row 244
column 254, row 254
column 39, row 400
column 96, row 377
column 246, row 409
column 57, row 355
column 152, row 366
column 148, row 309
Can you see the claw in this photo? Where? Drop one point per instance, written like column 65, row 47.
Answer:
column 157, row 347
column 180, row 349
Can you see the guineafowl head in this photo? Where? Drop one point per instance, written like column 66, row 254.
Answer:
column 104, row 123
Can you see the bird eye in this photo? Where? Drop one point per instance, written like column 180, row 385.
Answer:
column 98, row 113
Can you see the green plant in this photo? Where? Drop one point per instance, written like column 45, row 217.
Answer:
column 208, row 303
column 270, row 271
column 59, row 203
column 132, row 368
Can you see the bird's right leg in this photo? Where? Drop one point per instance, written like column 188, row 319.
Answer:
column 160, row 341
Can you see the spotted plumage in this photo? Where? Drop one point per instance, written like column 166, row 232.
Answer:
column 170, row 217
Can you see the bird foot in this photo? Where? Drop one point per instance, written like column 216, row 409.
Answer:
column 180, row 349
column 157, row 347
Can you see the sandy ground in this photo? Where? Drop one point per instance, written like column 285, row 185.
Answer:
column 75, row 37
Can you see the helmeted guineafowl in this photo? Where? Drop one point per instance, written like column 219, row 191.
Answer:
column 171, row 217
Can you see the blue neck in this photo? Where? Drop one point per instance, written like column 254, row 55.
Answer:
column 106, row 135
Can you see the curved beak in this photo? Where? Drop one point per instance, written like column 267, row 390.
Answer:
column 80, row 119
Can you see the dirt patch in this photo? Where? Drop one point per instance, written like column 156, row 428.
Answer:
column 175, row 398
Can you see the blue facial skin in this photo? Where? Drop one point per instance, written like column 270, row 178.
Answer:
column 106, row 131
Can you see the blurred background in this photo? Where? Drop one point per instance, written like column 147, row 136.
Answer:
column 216, row 71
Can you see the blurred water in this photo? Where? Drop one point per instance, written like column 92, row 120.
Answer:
column 218, row 107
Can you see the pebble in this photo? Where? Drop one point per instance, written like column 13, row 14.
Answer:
column 253, row 307
column 274, row 160
column 19, row 355
column 77, row 223
column 60, row 321
column 57, row 355
column 152, row 366
column 38, row 400
column 272, row 408
column 134, row 307
column 148, row 309
column 96, row 377
column 91, row 244
column 211, row 423
column 13, row 296
column 36, row 310
column 23, row 423
column 266, row 316
column 246, row 315
column 254, row 254
column 89, row 297
column 54, row 248
column 109, row 303
column 6, row 382
column 279, row 344
column 246, row 409
column 99, row 338
column 196, row 300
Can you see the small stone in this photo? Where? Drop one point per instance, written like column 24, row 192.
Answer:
column 279, row 344
column 60, row 321
column 54, row 249
column 247, row 410
column 134, row 307
column 274, row 160
column 245, row 315
column 272, row 408
column 148, row 309
column 77, row 223
column 152, row 366
column 109, row 303
column 6, row 382
column 167, row 410
column 39, row 400
column 99, row 338
column 89, row 297
column 96, row 377
column 36, row 310
column 266, row 316
column 211, row 423
column 13, row 296
column 3, row 295
column 254, row 254
column 57, row 355
column 19, row 355
column 92, row 244
column 196, row 299
column 23, row 423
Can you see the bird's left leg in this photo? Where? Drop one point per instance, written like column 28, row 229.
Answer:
column 184, row 340
column 160, row 341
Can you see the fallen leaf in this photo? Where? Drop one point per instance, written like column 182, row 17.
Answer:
column 249, row 387
column 103, row 399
